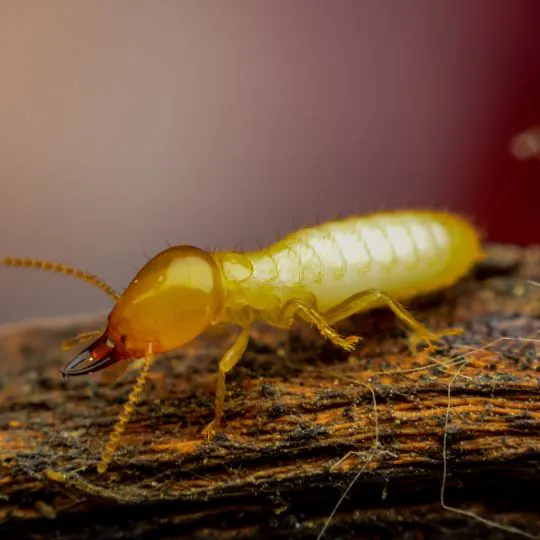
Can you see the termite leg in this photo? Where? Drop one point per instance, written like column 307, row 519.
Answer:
column 129, row 407
column 227, row 362
column 376, row 297
column 312, row 316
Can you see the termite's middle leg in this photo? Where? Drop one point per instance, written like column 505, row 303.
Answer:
column 228, row 361
column 293, row 308
column 376, row 297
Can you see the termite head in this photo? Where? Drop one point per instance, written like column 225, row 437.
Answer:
column 171, row 301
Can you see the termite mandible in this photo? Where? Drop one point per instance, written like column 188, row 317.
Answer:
column 320, row 274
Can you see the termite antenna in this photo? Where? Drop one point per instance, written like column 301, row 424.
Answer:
column 129, row 407
column 60, row 268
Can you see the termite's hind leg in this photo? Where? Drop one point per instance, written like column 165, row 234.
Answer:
column 376, row 297
column 293, row 308
column 227, row 362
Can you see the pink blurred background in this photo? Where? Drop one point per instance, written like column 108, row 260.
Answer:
column 127, row 124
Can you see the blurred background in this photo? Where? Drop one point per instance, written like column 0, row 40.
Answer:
column 127, row 124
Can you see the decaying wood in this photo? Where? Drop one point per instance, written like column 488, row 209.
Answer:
column 301, row 425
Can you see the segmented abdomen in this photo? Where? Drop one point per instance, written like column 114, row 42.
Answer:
column 402, row 253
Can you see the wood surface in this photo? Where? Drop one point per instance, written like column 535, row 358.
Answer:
column 303, row 421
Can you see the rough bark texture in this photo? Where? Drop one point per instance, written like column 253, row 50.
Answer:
column 301, row 424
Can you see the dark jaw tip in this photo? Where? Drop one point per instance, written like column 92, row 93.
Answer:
column 98, row 355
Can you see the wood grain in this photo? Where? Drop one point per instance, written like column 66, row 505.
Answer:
column 301, row 424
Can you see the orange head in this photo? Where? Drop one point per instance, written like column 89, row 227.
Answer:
column 171, row 301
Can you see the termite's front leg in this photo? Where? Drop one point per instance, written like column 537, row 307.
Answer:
column 375, row 297
column 293, row 308
column 229, row 360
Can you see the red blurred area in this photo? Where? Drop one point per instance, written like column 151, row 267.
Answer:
column 505, row 198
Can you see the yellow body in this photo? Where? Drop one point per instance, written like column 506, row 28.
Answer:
column 184, row 290
column 319, row 274
column 401, row 253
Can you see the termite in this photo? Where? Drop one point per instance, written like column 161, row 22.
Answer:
column 320, row 274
